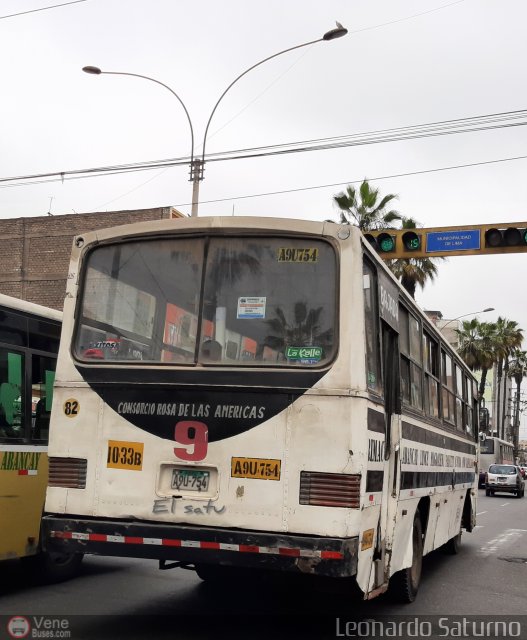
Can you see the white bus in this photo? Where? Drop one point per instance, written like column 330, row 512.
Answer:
column 240, row 394
column 29, row 343
column 493, row 450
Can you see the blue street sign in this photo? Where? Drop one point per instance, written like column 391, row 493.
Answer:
column 453, row 240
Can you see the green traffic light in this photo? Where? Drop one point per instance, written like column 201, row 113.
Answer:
column 386, row 242
column 411, row 241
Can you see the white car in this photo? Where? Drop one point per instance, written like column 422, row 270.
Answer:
column 504, row 478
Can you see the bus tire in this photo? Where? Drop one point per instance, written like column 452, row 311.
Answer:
column 453, row 546
column 405, row 583
column 57, row 567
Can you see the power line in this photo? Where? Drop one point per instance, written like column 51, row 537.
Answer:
column 403, row 132
column 358, row 181
column 54, row 6
column 446, row 127
column 363, row 142
column 415, row 15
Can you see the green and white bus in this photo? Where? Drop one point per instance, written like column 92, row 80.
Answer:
column 256, row 394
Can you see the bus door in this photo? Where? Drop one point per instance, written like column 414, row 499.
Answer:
column 389, row 337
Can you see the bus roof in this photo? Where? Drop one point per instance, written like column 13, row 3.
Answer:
column 29, row 307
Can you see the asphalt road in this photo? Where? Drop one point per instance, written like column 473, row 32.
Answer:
column 122, row 598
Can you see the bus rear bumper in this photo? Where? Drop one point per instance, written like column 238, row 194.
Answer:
column 189, row 545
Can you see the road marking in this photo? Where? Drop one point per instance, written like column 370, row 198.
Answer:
column 481, row 513
column 504, row 504
column 509, row 536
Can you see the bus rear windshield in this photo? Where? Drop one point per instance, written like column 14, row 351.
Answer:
column 261, row 301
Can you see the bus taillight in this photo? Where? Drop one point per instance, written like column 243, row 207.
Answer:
column 330, row 489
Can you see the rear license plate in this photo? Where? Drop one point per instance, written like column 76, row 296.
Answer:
column 190, row 479
column 502, row 480
column 256, row 468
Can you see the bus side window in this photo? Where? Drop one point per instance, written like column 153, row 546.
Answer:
column 371, row 322
column 411, row 359
column 43, row 377
column 11, row 396
column 431, row 362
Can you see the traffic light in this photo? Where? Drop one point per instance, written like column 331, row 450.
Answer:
column 436, row 242
column 412, row 241
column 505, row 237
column 383, row 242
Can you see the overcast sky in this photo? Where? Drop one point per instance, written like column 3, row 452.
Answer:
column 403, row 63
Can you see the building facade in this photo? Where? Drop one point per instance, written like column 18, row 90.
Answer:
column 35, row 252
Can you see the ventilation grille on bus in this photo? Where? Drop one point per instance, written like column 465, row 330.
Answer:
column 330, row 489
column 67, row 472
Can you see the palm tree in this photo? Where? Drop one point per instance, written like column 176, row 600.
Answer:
column 509, row 337
column 477, row 347
column 413, row 271
column 363, row 208
column 517, row 371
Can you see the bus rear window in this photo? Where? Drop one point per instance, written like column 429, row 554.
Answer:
column 239, row 301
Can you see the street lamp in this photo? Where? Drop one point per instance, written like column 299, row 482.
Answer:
column 465, row 315
column 197, row 165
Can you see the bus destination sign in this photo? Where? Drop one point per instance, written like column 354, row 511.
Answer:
column 458, row 240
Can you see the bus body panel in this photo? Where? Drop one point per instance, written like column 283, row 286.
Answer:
column 23, row 478
column 334, row 425
column 29, row 337
column 296, row 438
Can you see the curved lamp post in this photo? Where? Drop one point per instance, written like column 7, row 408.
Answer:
column 197, row 165
column 465, row 315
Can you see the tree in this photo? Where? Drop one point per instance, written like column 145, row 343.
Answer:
column 364, row 208
column 509, row 337
column 413, row 271
column 517, row 371
column 477, row 347
column 485, row 344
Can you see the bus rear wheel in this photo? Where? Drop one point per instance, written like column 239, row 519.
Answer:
column 405, row 583
column 57, row 567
